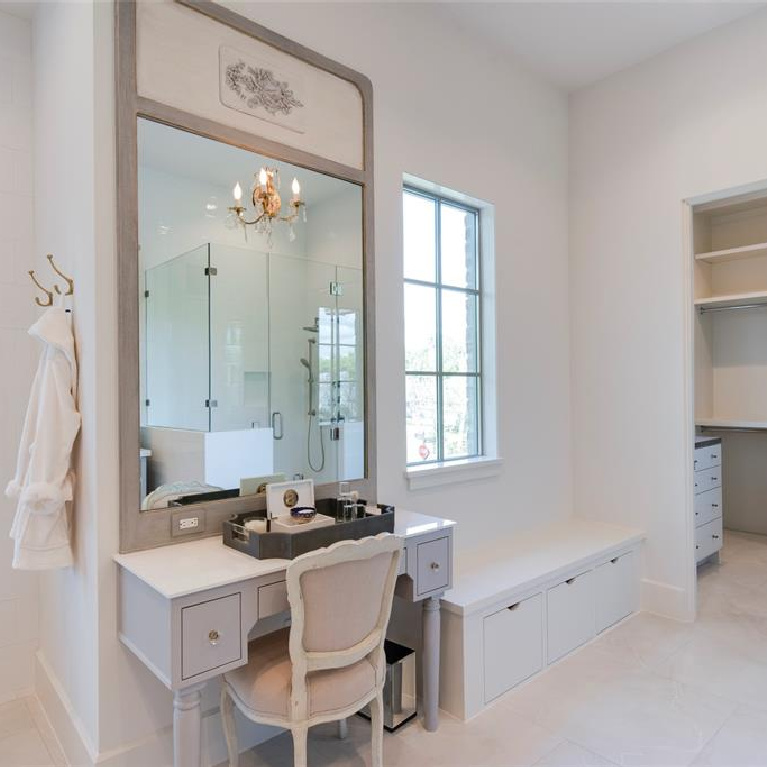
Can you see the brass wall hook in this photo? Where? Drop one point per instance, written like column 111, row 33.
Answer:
column 48, row 293
column 70, row 282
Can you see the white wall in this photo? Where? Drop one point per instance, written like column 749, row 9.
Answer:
column 447, row 110
column 688, row 122
column 18, row 590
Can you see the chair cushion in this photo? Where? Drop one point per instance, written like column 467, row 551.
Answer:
column 264, row 684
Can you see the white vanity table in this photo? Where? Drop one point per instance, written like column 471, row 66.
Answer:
column 186, row 612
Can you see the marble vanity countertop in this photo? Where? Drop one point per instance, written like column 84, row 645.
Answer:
column 185, row 568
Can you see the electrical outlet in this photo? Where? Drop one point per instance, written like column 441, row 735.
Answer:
column 187, row 522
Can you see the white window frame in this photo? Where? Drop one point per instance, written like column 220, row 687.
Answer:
column 488, row 463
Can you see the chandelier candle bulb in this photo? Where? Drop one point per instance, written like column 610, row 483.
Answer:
column 296, row 190
column 262, row 177
column 237, row 193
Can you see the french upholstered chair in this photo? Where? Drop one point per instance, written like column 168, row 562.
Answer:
column 330, row 662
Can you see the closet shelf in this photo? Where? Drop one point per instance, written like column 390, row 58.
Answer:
column 733, row 254
column 736, row 300
column 730, row 423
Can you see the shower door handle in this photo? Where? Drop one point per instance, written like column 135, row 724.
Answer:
column 277, row 421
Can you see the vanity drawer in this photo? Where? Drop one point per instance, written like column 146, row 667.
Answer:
column 708, row 506
column 210, row 635
column 433, row 565
column 615, row 589
column 708, row 479
column 570, row 610
column 708, row 457
column 513, row 640
column 272, row 599
column 708, row 539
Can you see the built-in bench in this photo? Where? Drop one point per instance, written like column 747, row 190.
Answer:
column 530, row 600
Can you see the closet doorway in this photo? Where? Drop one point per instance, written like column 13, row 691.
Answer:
column 727, row 251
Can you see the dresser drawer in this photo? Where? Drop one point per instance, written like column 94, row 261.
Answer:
column 570, row 611
column 708, row 479
column 707, row 457
column 210, row 635
column 513, row 639
column 708, row 506
column 433, row 565
column 616, row 590
column 272, row 599
column 708, row 539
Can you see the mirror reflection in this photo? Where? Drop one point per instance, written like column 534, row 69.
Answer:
column 251, row 310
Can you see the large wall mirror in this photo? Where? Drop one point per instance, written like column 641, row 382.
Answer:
column 245, row 339
column 252, row 342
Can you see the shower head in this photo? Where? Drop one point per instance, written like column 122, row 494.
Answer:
column 306, row 364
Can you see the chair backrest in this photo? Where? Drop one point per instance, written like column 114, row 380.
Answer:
column 340, row 600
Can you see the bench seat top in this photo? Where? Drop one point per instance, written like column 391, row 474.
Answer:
column 522, row 562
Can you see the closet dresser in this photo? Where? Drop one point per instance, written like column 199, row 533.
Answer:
column 708, row 497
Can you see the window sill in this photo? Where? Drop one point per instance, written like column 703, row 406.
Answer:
column 449, row 472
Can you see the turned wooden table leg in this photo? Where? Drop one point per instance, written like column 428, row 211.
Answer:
column 430, row 661
column 187, row 727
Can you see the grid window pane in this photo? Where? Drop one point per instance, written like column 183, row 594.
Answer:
column 421, row 421
column 442, row 329
column 459, row 332
column 458, row 246
column 420, row 328
column 459, row 396
column 419, row 217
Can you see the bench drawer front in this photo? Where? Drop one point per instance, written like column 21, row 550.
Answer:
column 708, row 457
column 433, row 565
column 272, row 599
column 210, row 635
column 708, row 506
column 513, row 645
column 570, row 611
column 615, row 585
column 708, row 479
column 708, row 539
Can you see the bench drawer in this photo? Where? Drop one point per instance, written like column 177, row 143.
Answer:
column 570, row 611
column 708, row 479
column 615, row 585
column 210, row 635
column 513, row 640
column 708, row 539
column 433, row 565
column 708, row 506
column 272, row 599
column 708, row 457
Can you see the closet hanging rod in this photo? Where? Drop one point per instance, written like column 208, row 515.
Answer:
column 707, row 309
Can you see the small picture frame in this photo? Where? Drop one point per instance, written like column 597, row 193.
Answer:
column 281, row 497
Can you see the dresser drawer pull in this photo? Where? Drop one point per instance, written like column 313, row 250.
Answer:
column 613, row 560
column 715, row 537
column 434, row 565
column 714, row 505
column 213, row 636
column 515, row 606
column 571, row 580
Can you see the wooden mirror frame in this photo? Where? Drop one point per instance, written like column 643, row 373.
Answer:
column 147, row 529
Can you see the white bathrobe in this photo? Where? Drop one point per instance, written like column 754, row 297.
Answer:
column 43, row 482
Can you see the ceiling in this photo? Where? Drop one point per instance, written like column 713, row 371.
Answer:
column 575, row 44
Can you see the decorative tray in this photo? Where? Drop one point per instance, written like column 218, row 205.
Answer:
column 289, row 545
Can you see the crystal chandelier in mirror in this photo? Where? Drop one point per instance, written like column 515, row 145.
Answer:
column 267, row 205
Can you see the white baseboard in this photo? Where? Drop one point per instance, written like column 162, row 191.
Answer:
column 665, row 600
column 156, row 750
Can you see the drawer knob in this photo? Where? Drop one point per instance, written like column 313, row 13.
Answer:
column 515, row 606
column 715, row 536
column 434, row 565
column 714, row 505
column 613, row 560
column 213, row 636
column 570, row 580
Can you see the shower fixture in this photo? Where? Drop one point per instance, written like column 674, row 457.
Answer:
column 312, row 412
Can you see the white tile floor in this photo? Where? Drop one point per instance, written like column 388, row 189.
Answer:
column 649, row 692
